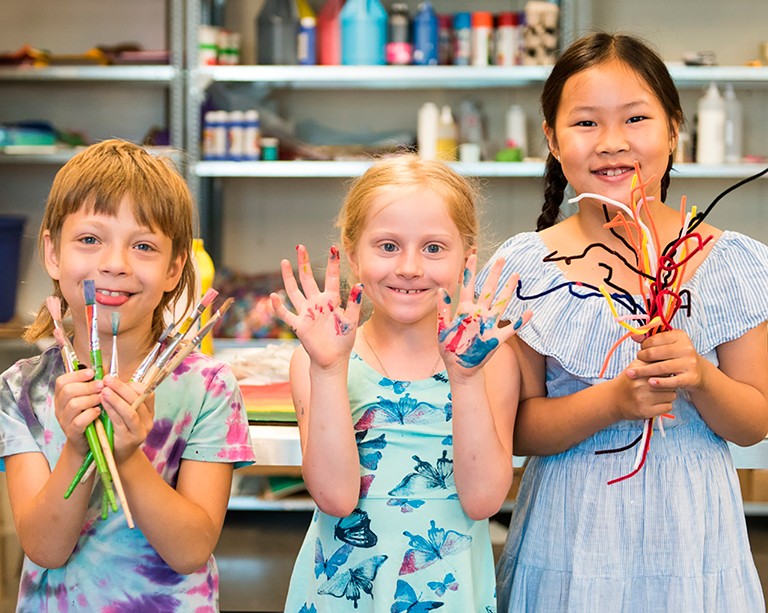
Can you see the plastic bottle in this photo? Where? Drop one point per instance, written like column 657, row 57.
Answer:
column 277, row 29
column 426, row 131
column 444, row 40
column 462, row 39
column 215, row 135
column 306, row 50
column 507, row 40
column 251, row 136
column 470, row 132
column 329, row 33
column 363, row 33
column 399, row 46
column 734, row 129
column 425, row 35
column 710, row 127
column 482, row 31
column 447, row 144
column 516, row 129
column 235, row 133
column 205, row 273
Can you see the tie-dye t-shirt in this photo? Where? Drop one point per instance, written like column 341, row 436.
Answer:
column 199, row 415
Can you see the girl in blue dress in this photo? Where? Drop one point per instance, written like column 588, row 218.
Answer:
column 123, row 218
column 406, row 421
column 673, row 536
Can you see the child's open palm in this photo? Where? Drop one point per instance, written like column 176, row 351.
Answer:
column 469, row 338
column 325, row 329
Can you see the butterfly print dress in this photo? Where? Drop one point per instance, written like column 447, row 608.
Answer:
column 408, row 546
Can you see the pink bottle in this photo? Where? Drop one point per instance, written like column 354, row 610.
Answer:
column 329, row 33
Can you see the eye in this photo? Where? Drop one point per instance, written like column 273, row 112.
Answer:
column 389, row 247
column 434, row 248
column 89, row 240
column 636, row 119
column 145, row 247
column 586, row 123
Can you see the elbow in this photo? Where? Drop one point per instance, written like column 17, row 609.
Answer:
column 337, row 506
column 480, row 510
column 190, row 565
column 48, row 560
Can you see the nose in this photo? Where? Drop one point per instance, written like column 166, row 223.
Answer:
column 613, row 139
column 114, row 260
column 409, row 264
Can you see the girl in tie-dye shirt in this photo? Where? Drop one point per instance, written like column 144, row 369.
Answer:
column 124, row 219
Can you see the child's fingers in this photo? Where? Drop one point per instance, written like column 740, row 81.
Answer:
column 443, row 310
column 352, row 312
column 467, row 289
column 490, row 287
column 306, row 278
column 507, row 328
column 289, row 282
column 282, row 311
column 333, row 272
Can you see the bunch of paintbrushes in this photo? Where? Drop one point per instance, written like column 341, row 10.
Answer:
column 170, row 350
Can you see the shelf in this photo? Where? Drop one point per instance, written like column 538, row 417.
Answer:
column 447, row 77
column 160, row 74
column 318, row 169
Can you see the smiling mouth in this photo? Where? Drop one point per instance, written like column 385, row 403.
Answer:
column 407, row 291
column 106, row 292
column 613, row 172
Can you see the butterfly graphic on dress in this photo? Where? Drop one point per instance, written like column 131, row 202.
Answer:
column 369, row 450
column 406, row 600
column 440, row 377
column 439, row 543
column 397, row 386
column 365, row 484
column 308, row 609
column 439, row 587
column 407, row 410
column 407, row 505
column 355, row 529
column 331, row 565
column 351, row 584
column 438, row 477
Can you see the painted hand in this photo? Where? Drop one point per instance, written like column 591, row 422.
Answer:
column 325, row 329
column 76, row 404
column 470, row 337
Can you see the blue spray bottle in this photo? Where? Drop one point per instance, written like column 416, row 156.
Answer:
column 363, row 33
column 425, row 36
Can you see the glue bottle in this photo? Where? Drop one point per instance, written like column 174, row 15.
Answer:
column 733, row 127
column 710, row 133
column 205, row 273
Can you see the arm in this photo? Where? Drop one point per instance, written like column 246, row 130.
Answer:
column 330, row 461
column 37, row 493
column 732, row 398
column 484, row 391
column 546, row 426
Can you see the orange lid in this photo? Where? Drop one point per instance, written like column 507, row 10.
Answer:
column 482, row 19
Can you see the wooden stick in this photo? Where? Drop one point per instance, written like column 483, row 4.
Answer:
column 109, row 456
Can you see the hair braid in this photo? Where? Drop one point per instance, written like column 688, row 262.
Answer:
column 554, row 188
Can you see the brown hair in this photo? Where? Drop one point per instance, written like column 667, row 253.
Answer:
column 586, row 52
column 407, row 172
column 99, row 177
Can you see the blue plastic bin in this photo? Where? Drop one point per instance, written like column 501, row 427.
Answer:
column 11, row 228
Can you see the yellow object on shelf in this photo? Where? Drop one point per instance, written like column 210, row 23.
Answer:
column 206, row 272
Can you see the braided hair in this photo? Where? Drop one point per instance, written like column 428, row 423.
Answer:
column 585, row 53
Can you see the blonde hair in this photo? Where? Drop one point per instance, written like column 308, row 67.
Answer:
column 98, row 178
column 407, row 172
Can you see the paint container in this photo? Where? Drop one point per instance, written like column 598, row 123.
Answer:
column 11, row 228
column 270, row 149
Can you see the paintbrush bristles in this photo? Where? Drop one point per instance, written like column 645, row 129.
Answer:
column 89, row 292
column 53, row 303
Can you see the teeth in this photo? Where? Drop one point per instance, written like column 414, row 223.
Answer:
column 613, row 172
column 407, row 291
column 109, row 293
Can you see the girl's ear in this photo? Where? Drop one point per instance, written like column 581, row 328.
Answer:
column 51, row 256
column 353, row 265
column 549, row 134
column 175, row 268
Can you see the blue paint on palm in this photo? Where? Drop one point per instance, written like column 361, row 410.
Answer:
column 467, row 277
column 477, row 351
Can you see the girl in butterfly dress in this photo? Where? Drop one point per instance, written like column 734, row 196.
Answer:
column 406, row 422
column 673, row 536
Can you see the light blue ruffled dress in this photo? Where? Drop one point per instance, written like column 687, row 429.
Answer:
column 671, row 538
column 408, row 546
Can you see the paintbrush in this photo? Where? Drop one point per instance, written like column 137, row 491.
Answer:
column 184, row 350
column 173, row 344
column 115, row 328
column 67, row 350
column 141, row 371
column 89, row 293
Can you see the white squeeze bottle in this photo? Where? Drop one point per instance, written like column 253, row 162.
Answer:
column 426, row 130
column 733, row 127
column 447, row 144
column 710, row 139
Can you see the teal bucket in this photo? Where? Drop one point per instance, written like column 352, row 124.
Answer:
column 11, row 228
